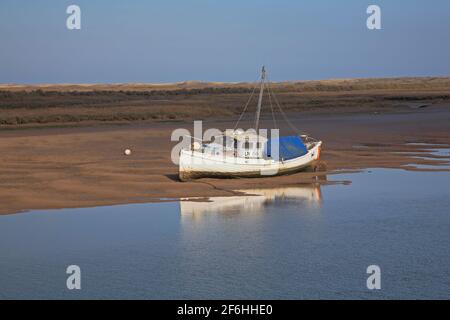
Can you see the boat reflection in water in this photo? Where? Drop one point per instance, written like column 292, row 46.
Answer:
column 254, row 201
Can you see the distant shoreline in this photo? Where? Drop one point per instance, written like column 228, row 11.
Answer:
column 407, row 82
column 23, row 106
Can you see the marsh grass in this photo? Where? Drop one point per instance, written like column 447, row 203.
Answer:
column 44, row 105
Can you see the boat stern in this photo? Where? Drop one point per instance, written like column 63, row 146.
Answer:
column 318, row 151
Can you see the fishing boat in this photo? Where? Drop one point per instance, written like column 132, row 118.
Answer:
column 249, row 154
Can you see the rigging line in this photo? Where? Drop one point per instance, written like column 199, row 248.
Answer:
column 294, row 128
column 271, row 108
column 283, row 113
column 246, row 106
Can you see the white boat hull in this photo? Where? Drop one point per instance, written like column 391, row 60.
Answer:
column 194, row 164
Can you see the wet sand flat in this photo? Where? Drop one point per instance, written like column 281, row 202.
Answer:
column 50, row 168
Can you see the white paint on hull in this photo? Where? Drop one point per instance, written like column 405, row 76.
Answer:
column 195, row 164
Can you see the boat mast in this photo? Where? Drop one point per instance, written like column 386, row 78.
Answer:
column 258, row 111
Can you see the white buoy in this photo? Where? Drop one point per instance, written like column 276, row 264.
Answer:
column 127, row 152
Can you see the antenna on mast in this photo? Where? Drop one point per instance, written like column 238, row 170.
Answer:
column 261, row 91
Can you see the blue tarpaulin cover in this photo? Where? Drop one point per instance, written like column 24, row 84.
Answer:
column 290, row 147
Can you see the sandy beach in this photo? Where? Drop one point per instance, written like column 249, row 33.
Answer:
column 63, row 145
column 50, row 168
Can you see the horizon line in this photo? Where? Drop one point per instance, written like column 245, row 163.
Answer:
column 11, row 84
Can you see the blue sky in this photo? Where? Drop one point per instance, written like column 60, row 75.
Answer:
column 227, row 40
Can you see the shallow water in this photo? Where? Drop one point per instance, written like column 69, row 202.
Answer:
column 429, row 166
column 440, row 159
column 304, row 242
